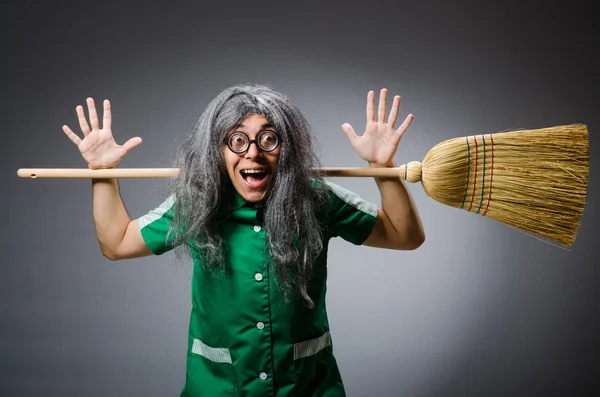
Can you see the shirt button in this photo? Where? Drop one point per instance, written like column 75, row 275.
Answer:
column 263, row 375
column 257, row 228
column 260, row 325
column 258, row 277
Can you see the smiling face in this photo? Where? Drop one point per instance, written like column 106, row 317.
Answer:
column 252, row 172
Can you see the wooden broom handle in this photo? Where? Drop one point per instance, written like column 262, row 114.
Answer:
column 414, row 168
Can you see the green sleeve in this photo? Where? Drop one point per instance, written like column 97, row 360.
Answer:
column 349, row 216
column 155, row 227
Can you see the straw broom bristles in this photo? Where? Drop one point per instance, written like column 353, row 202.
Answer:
column 534, row 180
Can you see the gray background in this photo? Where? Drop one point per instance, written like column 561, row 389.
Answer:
column 479, row 309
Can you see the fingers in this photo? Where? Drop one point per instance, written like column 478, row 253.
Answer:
column 381, row 110
column 394, row 112
column 349, row 131
column 93, row 115
column 83, row 124
column 382, row 105
column 72, row 136
column 133, row 142
column 107, row 115
column 404, row 126
column 370, row 106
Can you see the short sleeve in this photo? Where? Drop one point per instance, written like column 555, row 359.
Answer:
column 155, row 227
column 349, row 216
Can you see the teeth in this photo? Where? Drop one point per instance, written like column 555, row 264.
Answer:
column 253, row 171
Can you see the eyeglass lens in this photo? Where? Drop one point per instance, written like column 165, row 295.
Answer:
column 239, row 142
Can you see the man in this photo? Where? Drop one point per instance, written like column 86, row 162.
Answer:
column 255, row 218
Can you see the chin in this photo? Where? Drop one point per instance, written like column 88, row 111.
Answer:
column 253, row 197
column 252, row 194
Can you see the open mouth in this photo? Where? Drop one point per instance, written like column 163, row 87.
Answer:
column 254, row 177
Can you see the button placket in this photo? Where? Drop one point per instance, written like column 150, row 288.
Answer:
column 259, row 277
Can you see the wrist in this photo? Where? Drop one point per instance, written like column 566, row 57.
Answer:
column 391, row 164
column 102, row 168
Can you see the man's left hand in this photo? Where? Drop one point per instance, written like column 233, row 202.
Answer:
column 378, row 144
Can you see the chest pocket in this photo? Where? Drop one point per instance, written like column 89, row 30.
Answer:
column 209, row 371
column 316, row 370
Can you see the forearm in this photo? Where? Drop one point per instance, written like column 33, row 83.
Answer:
column 110, row 216
column 399, row 207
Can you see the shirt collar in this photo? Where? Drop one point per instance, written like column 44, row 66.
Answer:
column 237, row 201
column 233, row 201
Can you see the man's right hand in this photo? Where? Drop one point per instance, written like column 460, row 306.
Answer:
column 98, row 147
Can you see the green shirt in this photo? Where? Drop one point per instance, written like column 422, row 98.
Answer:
column 244, row 339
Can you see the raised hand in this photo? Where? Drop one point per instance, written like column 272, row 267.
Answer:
column 98, row 147
column 379, row 142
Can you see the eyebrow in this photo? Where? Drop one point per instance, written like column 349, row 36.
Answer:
column 267, row 125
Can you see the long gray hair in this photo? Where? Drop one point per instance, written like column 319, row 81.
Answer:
column 294, row 236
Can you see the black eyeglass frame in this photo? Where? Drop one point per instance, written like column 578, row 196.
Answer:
column 227, row 141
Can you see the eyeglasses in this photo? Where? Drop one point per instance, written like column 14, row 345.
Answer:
column 239, row 142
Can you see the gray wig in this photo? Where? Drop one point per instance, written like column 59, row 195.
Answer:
column 290, row 209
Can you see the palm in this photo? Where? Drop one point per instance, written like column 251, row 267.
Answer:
column 379, row 142
column 100, row 150
column 98, row 147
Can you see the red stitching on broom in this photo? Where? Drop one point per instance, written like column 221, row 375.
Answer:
column 491, row 176
column 474, row 173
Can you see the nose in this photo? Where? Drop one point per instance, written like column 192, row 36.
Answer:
column 253, row 151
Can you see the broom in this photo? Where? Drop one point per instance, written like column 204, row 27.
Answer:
column 533, row 180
